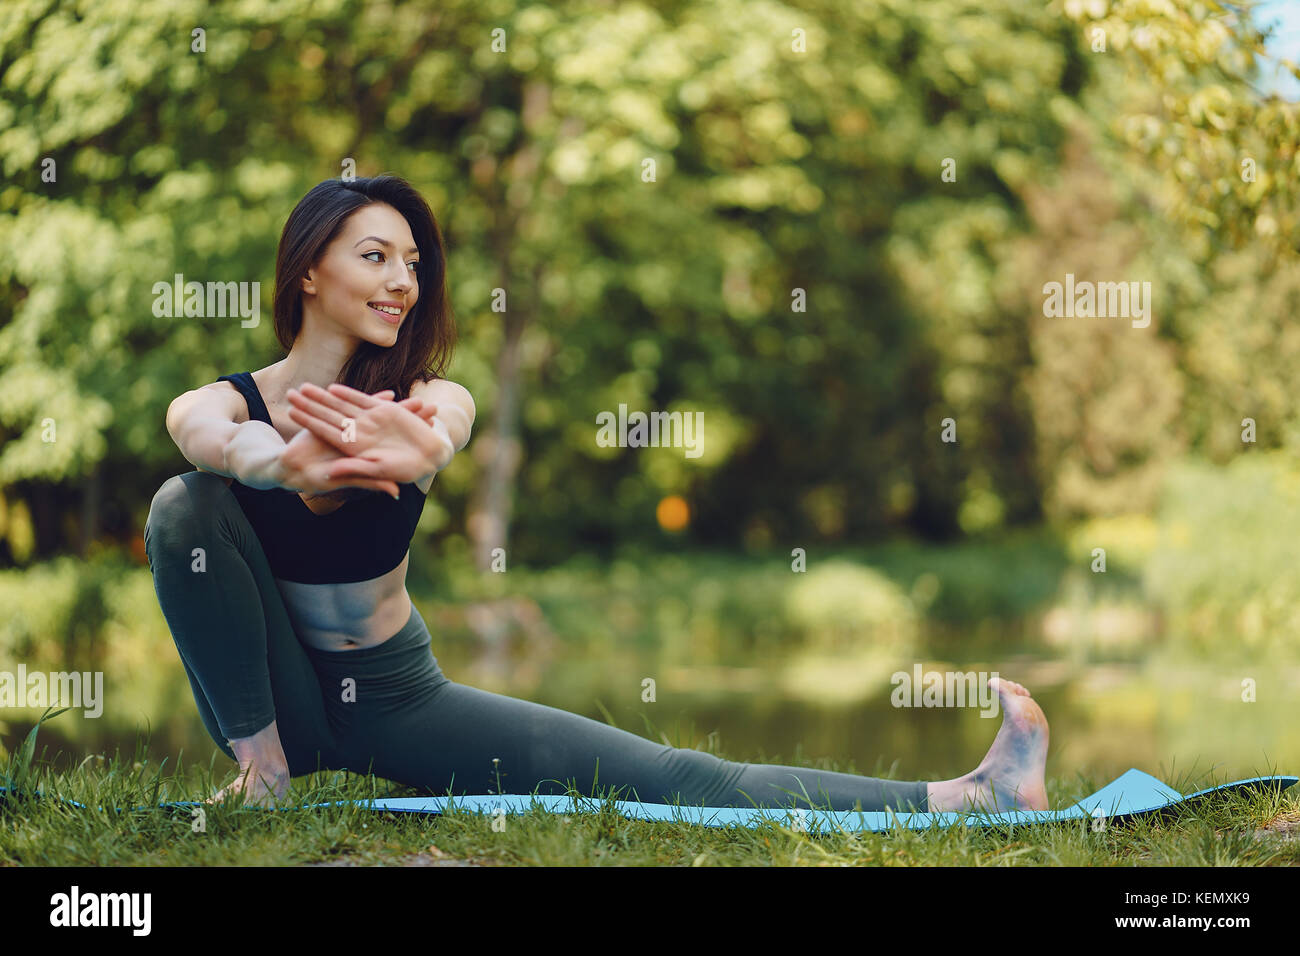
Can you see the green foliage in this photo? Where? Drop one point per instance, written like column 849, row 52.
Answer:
column 95, row 615
column 1178, row 85
column 1227, row 563
column 50, row 607
column 799, row 152
column 982, row 580
column 837, row 605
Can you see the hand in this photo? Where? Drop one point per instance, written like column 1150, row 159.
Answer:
column 382, row 439
column 307, row 464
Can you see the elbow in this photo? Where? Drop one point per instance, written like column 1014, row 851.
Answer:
column 173, row 420
column 456, row 430
column 467, row 409
column 455, row 412
column 461, row 419
column 465, row 433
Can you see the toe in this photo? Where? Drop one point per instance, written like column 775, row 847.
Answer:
column 1017, row 689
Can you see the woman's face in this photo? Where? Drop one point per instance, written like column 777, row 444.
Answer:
column 365, row 280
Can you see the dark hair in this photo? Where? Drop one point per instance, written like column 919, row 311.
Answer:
column 426, row 339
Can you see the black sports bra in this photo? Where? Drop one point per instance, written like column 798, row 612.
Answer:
column 357, row 541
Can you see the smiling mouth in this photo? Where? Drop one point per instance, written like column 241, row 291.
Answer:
column 393, row 317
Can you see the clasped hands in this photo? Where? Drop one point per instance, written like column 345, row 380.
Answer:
column 350, row 438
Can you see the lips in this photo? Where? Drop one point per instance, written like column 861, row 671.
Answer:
column 386, row 316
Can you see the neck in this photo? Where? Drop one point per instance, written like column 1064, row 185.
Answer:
column 318, row 355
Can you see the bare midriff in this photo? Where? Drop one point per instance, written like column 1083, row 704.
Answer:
column 350, row 615
column 347, row 615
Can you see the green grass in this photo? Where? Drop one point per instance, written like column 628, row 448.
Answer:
column 35, row 831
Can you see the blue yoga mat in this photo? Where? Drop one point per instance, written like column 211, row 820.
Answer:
column 1131, row 795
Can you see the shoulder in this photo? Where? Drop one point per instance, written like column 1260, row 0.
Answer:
column 201, row 409
column 443, row 392
column 441, row 388
column 220, row 399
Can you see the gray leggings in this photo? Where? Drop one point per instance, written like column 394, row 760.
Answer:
column 403, row 719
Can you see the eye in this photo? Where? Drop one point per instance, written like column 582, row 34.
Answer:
column 414, row 263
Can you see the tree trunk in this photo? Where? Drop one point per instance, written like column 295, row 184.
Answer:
column 499, row 453
column 90, row 499
column 46, row 530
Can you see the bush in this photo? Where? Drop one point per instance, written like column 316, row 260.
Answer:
column 1226, row 567
column 837, row 606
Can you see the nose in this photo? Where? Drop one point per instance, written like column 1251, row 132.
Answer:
column 403, row 281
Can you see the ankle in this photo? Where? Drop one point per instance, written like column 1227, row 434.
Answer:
column 943, row 795
column 268, row 771
column 262, row 751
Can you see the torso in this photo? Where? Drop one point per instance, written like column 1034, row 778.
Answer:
column 348, row 615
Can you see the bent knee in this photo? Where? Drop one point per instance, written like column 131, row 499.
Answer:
column 182, row 498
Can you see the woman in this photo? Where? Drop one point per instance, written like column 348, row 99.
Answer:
column 280, row 562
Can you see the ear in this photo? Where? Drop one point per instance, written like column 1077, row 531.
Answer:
column 308, row 283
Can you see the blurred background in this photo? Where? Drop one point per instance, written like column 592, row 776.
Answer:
column 827, row 226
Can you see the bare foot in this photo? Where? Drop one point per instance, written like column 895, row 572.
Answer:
column 1010, row 777
column 263, row 769
column 260, row 789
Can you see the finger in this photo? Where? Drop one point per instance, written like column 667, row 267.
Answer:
column 332, row 435
column 355, row 397
column 417, row 410
column 321, row 405
column 314, row 411
column 426, row 414
column 419, row 407
column 321, row 429
column 364, row 467
column 342, row 477
column 348, row 393
column 326, row 414
column 342, row 405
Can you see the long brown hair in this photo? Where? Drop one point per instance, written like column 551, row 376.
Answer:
column 425, row 340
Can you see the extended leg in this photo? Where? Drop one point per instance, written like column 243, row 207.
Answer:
column 464, row 727
column 413, row 725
